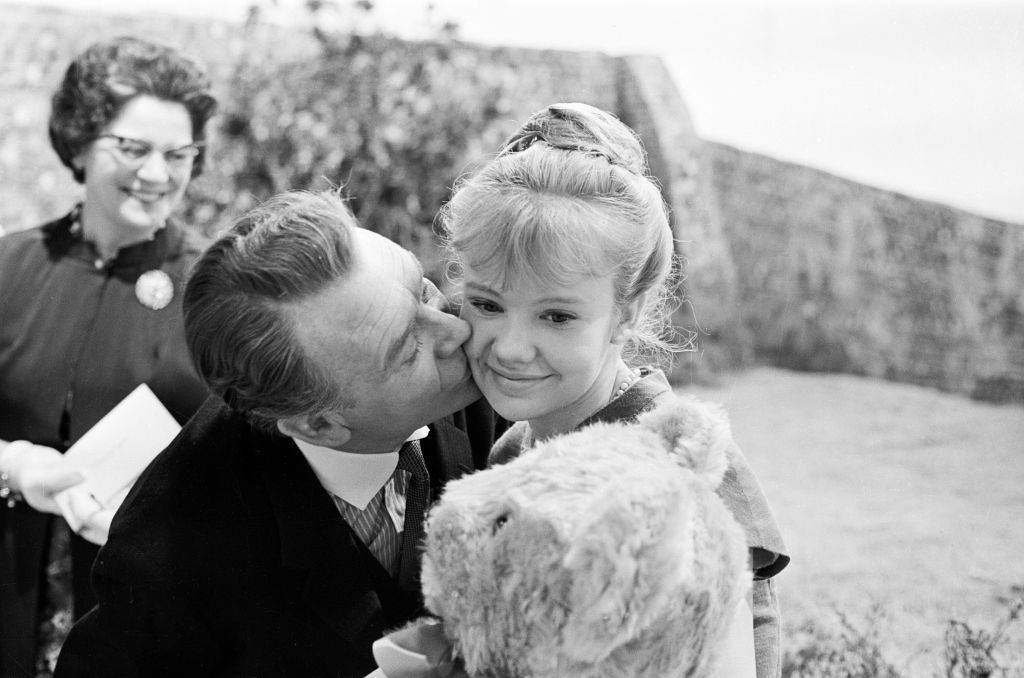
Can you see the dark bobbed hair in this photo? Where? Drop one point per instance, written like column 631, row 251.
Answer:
column 107, row 75
column 236, row 302
column 570, row 195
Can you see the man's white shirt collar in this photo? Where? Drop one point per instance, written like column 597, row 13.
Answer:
column 356, row 478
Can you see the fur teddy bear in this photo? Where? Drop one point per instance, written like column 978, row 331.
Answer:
column 600, row 553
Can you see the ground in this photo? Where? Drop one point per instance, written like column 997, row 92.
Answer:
column 890, row 494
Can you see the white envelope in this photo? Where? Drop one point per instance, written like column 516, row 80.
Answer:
column 112, row 454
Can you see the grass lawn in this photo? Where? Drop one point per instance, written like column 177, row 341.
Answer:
column 890, row 494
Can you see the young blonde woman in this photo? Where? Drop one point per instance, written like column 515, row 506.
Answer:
column 564, row 255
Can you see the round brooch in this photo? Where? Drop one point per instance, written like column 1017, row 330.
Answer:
column 154, row 289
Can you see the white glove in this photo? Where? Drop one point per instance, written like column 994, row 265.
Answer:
column 38, row 473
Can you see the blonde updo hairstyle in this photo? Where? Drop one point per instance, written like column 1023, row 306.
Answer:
column 569, row 196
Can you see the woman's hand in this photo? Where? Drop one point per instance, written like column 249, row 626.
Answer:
column 90, row 519
column 38, row 473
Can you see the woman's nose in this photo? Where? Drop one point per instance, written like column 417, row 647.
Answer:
column 154, row 168
column 512, row 345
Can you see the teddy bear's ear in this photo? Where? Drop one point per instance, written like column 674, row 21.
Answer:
column 696, row 432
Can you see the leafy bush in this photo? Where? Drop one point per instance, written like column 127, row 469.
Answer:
column 842, row 649
column 976, row 653
column 389, row 122
column 846, row 651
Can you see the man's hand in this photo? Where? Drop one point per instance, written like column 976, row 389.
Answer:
column 38, row 473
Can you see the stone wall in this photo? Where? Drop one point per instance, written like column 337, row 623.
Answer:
column 651, row 103
column 837, row 276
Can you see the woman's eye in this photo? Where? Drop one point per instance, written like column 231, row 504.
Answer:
column 178, row 157
column 485, row 305
column 557, row 317
column 134, row 149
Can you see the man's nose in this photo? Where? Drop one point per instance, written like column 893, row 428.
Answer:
column 435, row 298
column 452, row 333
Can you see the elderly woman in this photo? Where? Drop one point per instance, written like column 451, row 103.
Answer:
column 90, row 309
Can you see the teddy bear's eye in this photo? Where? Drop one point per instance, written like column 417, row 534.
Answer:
column 499, row 523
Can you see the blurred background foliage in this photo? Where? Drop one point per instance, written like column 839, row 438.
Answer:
column 389, row 123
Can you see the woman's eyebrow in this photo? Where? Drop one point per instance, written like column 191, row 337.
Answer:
column 569, row 301
column 479, row 287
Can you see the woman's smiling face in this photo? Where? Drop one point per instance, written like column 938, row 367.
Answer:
column 542, row 352
column 129, row 197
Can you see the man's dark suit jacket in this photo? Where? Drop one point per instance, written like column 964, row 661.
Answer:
column 228, row 558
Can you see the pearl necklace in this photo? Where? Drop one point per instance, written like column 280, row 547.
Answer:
column 631, row 378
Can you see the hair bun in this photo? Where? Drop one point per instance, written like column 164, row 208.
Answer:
column 584, row 128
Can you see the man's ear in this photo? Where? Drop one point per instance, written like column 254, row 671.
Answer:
column 629, row 316
column 323, row 430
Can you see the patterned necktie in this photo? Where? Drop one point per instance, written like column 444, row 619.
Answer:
column 417, row 495
column 373, row 524
column 374, row 528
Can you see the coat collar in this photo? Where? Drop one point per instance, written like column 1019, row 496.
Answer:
column 63, row 238
column 447, row 454
column 359, row 602
column 314, row 538
column 641, row 396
